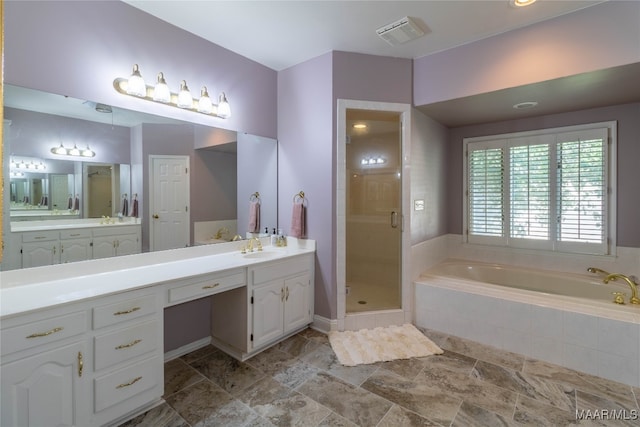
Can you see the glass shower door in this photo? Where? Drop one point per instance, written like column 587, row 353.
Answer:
column 373, row 211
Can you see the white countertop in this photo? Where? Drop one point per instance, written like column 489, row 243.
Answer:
column 27, row 290
column 64, row 224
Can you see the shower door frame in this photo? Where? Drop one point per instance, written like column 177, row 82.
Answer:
column 371, row 319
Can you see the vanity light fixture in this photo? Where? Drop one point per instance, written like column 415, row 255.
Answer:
column 75, row 151
column 135, row 86
column 30, row 166
column 185, row 100
column 161, row 92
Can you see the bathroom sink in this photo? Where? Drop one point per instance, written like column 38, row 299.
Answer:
column 260, row 254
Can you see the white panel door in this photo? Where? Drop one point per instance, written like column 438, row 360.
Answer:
column 169, row 207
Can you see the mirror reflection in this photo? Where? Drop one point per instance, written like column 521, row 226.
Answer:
column 109, row 187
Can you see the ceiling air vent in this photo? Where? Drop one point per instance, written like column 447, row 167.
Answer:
column 401, row 31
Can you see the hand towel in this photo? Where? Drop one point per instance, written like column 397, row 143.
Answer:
column 297, row 220
column 76, row 204
column 125, row 207
column 134, row 210
column 254, row 217
column 70, row 203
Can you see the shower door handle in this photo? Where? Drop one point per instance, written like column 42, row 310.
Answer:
column 394, row 219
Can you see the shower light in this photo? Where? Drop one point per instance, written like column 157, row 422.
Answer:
column 183, row 99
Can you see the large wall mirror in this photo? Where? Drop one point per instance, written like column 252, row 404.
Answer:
column 227, row 167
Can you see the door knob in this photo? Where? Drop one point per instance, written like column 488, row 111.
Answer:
column 155, row 216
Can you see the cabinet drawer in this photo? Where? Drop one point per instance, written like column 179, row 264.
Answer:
column 280, row 270
column 126, row 383
column 206, row 285
column 75, row 234
column 39, row 236
column 123, row 344
column 43, row 332
column 123, row 311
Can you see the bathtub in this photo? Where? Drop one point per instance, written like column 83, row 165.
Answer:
column 562, row 318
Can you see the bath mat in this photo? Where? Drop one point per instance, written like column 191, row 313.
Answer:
column 368, row 346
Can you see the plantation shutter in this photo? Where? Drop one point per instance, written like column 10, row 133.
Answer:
column 486, row 192
column 582, row 191
column 530, row 191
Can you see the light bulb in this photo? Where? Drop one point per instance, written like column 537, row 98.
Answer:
column 185, row 100
column 74, row 151
column 224, row 109
column 161, row 92
column 88, row 152
column 136, row 85
column 204, row 103
column 60, row 150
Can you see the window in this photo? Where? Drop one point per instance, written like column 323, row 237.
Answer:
column 542, row 190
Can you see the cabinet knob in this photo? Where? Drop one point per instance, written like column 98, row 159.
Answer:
column 156, row 216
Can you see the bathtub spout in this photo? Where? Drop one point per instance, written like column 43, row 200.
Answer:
column 633, row 285
column 598, row 270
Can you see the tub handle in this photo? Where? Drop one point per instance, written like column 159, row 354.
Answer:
column 618, row 297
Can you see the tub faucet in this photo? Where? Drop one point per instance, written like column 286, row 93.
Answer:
column 633, row 285
column 597, row 270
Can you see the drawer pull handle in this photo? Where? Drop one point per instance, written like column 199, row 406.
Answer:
column 131, row 344
column 44, row 334
column 39, row 237
column 120, row 313
column 80, row 364
column 132, row 382
column 215, row 285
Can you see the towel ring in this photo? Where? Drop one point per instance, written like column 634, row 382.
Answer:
column 254, row 197
column 299, row 197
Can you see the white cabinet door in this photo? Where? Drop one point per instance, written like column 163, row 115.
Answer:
column 268, row 313
column 127, row 244
column 72, row 250
column 46, row 389
column 37, row 254
column 297, row 310
column 104, row 247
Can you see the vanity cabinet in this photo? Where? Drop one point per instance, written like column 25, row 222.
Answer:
column 115, row 242
column 40, row 248
column 43, row 370
column 281, row 299
column 87, row 364
column 48, row 247
column 47, row 389
column 75, row 245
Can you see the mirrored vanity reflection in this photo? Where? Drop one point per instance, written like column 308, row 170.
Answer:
column 96, row 203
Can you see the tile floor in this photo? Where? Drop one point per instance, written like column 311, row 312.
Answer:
column 300, row 383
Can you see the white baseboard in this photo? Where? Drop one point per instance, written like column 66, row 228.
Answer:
column 186, row 349
column 323, row 324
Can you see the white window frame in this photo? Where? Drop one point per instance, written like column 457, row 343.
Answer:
column 551, row 245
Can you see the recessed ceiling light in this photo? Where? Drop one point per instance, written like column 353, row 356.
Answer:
column 521, row 3
column 360, row 126
column 525, row 105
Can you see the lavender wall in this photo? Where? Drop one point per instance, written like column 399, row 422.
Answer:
column 34, row 134
column 601, row 36
column 77, row 48
column 308, row 95
column 628, row 229
column 305, row 162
